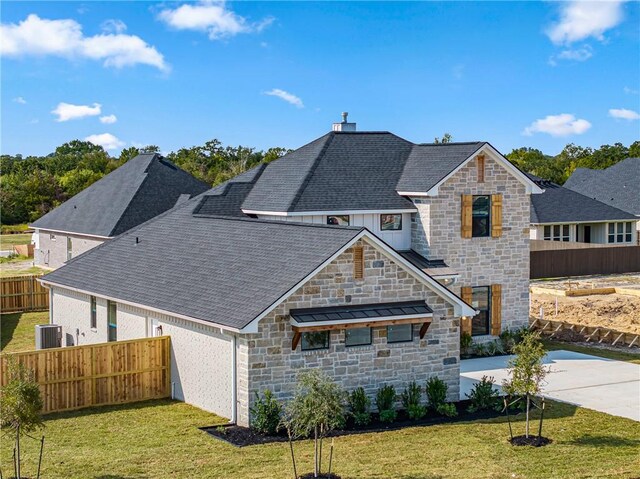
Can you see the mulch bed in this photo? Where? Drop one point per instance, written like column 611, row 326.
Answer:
column 244, row 436
column 310, row 475
column 535, row 441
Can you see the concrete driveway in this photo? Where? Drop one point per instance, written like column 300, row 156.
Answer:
column 589, row 381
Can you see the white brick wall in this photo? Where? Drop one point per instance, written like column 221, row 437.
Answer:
column 52, row 253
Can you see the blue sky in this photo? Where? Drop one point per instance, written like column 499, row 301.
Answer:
column 279, row 73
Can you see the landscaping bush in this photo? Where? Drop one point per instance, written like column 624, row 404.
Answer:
column 436, row 392
column 265, row 414
column 447, row 409
column 385, row 398
column 480, row 349
column 466, row 343
column 494, row 348
column 359, row 405
column 411, row 399
column 484, row 396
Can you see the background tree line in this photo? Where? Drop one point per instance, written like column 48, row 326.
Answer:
column 33, row 185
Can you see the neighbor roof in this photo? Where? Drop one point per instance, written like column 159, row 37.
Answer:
column 347, row 171
column 618, row 185
column 139, row 190
column 225, row 270
column 562, row 205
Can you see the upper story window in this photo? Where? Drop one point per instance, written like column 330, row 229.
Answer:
column 391, row 222
column 620, row 232
column 340, row 220
column 481, row 216
column 556, row 232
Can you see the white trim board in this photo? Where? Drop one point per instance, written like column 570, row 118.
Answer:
column 328, row 213
column 43, row 230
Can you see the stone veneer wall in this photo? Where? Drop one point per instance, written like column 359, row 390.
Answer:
column 266, row 361
column 480, row 261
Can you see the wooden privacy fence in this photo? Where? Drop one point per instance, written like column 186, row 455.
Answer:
column 23, row 293
column 582, row 262
column 98, row 374
column 578, row 332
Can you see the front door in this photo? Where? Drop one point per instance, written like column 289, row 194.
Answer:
column 587, row 234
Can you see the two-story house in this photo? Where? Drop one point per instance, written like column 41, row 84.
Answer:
column 361, row 253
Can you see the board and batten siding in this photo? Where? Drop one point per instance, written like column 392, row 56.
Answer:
column 201, row 355
column 399, row 240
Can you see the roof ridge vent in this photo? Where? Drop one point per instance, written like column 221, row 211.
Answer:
column 344, row 125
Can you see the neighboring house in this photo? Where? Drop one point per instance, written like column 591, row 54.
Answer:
column 335, row 256
column 139, row 190
column 617, row 186
column 561, row 214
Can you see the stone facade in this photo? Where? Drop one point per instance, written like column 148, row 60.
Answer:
column 266, row 360
column 51, row 247
column 436, row 234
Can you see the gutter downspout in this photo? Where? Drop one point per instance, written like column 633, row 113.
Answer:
column 234, row 380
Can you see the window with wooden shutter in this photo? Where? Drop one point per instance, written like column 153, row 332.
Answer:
column 465, row 323
column 467, row 215
column 496, row 216
column 358, row 262
column 496, row 309
column 480, row 165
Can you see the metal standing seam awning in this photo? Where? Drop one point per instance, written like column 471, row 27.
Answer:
column 360, row 316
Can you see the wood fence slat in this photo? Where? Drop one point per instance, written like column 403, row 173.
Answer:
column 586, row 261
column 97, row 374
column 23, row 293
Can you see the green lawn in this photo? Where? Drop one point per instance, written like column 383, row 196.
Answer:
column 14, row 268
column 618, row 354
column 17, row 330
column 8, row 241
column 160, row 439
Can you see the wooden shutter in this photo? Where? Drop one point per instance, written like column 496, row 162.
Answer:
column 467, row 215
column 358, row 262
column 465, row 322
column 496, row 309
column 496, row 216
column 480, row 165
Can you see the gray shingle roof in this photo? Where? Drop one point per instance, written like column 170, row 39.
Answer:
column 562, row 205
column 618, row 185
column 353, row 171
column 139, row 190
column 224, row 270
column 429, row 163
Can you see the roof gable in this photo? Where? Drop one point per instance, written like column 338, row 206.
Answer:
column 142, row 188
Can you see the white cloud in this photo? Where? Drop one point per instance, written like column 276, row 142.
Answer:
column 67, row 111
column 581, row 19
column 624, row 114
column 64, row 38
column 564, row 124
column 106, row 140
column 113, row 26
column 20, row 100
column 630, row 91
column 577, row 55
column 108, row 119
column 211, row 17
column 286, row 96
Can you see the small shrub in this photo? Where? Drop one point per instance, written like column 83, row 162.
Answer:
column 411, row 399
column 510, row 338
column 480, row 349
column 484, row 396
column 359, row 405
column 221, row 430
column 265, row 414
column 436, row 392
column 466, row 342
column 494, row 348
column 447, row 409
column 385, row 398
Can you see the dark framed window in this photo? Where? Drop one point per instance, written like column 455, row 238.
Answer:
column 314, row 340
column 69, row 248
column 481, row 216
column 391, row 222
column 481, row 301
column 112, row 320
column 627, row 236
column 357, row 337
column 94, row 313
column 340, row 220
column 557, row 232
column 620, row 233
column 400, row 333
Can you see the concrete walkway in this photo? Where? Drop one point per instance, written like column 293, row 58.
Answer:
column 589, row 381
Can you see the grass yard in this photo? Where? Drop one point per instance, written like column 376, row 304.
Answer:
column 158, row 439
column 17, row 330
column 7, row 242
